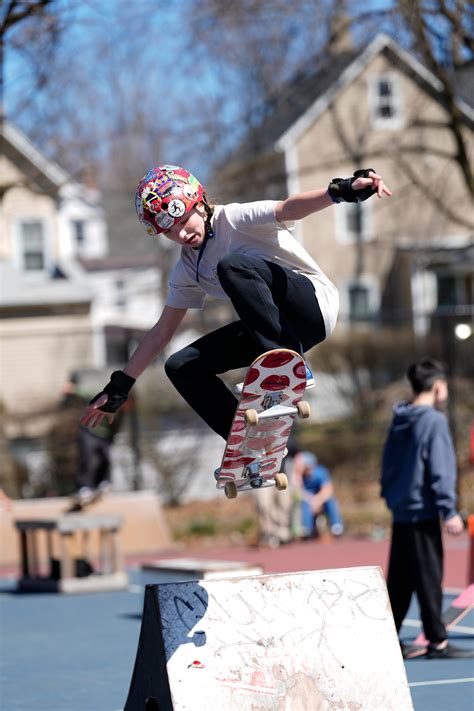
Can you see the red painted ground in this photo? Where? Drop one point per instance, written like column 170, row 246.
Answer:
column 315, row 555
column 312, row 555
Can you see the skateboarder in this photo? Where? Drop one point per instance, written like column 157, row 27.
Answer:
column 242, row 252
column 93, row 466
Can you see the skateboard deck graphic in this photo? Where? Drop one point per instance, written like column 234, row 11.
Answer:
column 269, row 402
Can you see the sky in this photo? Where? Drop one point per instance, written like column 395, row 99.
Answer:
column 118, row 58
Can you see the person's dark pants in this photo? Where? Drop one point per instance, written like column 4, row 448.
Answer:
column 94, row 460
column 277, row 308
column 416, row 566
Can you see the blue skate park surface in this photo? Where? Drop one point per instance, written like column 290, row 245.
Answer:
column 76, row 652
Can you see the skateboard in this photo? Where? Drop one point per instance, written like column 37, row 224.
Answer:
column 269, row 402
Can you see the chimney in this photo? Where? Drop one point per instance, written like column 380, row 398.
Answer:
column 339, row 36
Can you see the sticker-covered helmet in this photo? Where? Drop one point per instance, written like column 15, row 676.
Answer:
column 164, row 195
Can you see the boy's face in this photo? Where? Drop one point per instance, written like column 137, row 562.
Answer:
column 190, row 230
column 440, row 392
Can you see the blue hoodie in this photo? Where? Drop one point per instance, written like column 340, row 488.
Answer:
column 419, row 465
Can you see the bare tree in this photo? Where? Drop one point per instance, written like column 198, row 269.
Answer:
column 440, row 33
column 31, row 28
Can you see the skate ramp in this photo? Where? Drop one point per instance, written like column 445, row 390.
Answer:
column 310, row 641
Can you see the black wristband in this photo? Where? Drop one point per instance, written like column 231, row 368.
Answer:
column 341, row 190
column 117, row 390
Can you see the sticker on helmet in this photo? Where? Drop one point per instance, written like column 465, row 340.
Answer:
column 164, row 220
column 189, row 192
column 176, row 208
column 150, row 229
column 139, row 206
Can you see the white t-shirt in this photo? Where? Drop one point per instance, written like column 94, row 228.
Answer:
column 253, row 229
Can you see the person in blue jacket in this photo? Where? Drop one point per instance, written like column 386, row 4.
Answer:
column 316, row 494
column 419, row 487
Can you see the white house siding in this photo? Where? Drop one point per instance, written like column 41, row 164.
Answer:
column 37, row 356
column 79, row 203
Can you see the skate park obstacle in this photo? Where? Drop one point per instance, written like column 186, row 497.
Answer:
column 64, row 573
column 312, row 640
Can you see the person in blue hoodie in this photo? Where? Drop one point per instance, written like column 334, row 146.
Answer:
column 419, row 487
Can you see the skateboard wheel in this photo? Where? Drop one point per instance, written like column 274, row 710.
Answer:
column 230, row 490
column 251, row 417
column 304, row 409
column 281, row 481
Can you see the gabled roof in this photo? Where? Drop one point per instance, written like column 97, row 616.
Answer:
column 348, row 73
column 19, row 291
column 114, row 263
column 14, row 138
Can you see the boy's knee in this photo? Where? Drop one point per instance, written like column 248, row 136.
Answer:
column 174, row 364
column 231, row 265
column 183, row 364
column 224, row 265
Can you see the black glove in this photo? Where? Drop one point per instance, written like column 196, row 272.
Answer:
column 341, row 190
column 117, row 391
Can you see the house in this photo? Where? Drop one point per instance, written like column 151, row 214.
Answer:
column 46, row 218
column 62, row 299
column 399, row 262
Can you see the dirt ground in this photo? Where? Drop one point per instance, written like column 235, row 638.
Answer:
column 221, row 521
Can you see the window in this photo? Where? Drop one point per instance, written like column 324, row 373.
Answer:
column 353, row 222
column 385, row 108
column 359, row 302
column 354, row 218
column 32, row 245
column 455, row 289
column 120, row 294
column 78, row 231
column 385, row 102
column 360, row 299
column 447, row 290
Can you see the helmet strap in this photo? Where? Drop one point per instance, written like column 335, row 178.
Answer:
column 209, row 233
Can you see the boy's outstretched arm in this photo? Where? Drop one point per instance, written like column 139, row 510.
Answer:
column 115, row 393
column 362, row 185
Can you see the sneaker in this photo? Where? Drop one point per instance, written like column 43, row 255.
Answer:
column 269, row 540
column 413, row 651
column 309, row 377
column 309, row 381
column 85, row 494
column 449, row 652
column 337, row 529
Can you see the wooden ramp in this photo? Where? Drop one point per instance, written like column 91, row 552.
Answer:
column 310, row 641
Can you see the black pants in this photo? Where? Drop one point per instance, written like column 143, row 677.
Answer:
column 416, row 566
column 94, row 459
column 277, row 308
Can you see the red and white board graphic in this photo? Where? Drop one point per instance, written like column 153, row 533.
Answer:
column 275, row 383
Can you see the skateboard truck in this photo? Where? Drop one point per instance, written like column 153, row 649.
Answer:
column 271, row 399
column 252, row 473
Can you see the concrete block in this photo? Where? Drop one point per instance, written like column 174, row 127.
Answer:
column 178, row 569
column 318, row 640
